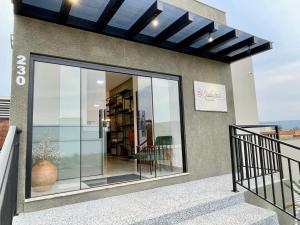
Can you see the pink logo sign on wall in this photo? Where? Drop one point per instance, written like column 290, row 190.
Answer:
column 210, row 97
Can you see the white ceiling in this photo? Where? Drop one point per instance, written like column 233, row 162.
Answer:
column 115, row 79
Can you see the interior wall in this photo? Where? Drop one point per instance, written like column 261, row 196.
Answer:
column 125, row 85
column 206, row 133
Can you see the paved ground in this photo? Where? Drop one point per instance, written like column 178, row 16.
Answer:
column 173, row 204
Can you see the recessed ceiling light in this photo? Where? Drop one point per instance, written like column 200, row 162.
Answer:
column 100, row 82
column 155, row 22
column 96, row 105
column 74, row 2
column 210, row 38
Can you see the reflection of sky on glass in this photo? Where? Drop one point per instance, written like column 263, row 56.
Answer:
column 161, row 100
column 165, row 19
column 53, row 5
column 89, row 10
column 129, row 12
column 69, row 95
column 165, row 100
column 144, row 96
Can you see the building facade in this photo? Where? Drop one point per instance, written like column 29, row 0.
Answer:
column 244, row 93
column 102, row 115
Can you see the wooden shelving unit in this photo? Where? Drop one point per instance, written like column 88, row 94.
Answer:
column 120, row 112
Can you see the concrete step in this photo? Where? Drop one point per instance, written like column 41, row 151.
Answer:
column 165, row 205
column 241, row 214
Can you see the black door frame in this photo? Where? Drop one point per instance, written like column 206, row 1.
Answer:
column 94, row 66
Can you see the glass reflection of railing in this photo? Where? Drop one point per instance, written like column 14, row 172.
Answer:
column 65, row 133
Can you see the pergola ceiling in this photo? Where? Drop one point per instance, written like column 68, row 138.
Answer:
column 151, row 22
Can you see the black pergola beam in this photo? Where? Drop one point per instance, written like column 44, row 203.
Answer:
column 152, row 12
column 108, row 13
column 217, row 42
column 251, row 51
column 237, row 51
column 17, row 6
column 244, row 43
column 175, row 27
column 195, row 36
column 64, row 11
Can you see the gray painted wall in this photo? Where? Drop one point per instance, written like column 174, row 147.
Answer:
column 207, row 143
column 244, row 93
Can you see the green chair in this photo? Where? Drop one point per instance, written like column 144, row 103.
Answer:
column 164, row 149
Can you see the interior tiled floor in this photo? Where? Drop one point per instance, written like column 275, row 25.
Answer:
column 115, row 166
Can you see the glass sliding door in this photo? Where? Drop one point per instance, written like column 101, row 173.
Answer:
column 144, row 111
column 56, row 129
column 159, row 127
column 145, row 152
column 68, row 137
column 93, row 135
column 167, row 125
column 92, row 127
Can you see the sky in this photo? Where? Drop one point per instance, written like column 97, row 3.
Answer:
column 277, row 72
column 6, row 29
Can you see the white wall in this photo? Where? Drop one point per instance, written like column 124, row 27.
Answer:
column 244, row 92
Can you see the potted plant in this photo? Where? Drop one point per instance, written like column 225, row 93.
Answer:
column 44, row 170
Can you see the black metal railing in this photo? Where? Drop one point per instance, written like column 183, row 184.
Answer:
column 259, row 165
column 9, row 157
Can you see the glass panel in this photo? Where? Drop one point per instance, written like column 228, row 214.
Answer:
column 145, row 126
column 93, row 128
column 56, row 129
column 220, row 32
column 53, row 5
column 197, row 24
column 129, row 12
column 167, row 126
column 241, row 37
column 145, row 116
column 89, row 10
column 258, row 43
column 93, row 146
column 164, row 19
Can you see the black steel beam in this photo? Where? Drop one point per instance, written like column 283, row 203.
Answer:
column 152, row 12
column 179, row 24
column 195, row 36
column 251, row 51
column 244, row 43
column 39, row 13
column 183, row 46
column 217, row 42
column 108, row 13
column 17, row 6
column 65, row 9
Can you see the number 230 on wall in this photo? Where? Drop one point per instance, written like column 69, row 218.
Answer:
column 21, row 70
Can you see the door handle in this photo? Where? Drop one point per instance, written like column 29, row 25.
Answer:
column 101, row 114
